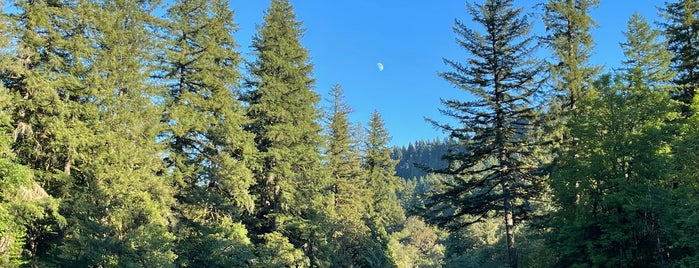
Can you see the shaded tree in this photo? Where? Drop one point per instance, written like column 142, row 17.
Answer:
column 612, row 189
column 682, row 34
column 492, row 173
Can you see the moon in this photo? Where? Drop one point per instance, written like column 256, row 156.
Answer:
column 380, row 66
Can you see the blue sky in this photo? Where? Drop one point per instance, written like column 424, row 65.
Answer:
column 346, row 40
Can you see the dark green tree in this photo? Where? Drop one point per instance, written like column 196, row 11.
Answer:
column 209, row 152
column 491, row 171
column 682, row 32
column 568, row 24
column 683, row 225
column 612, row 189
column 292, row 187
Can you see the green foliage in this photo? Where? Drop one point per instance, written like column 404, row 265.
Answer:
column 124, row 142
column 417, row 245
column 209, row 154
column 491, row 169
column 385, row 208
column 277, row 252
column 89, row 136
column 568, row 25
column 352, row 239
column 612, row 189
column 682, row 33
column 25, row 207
column 292, row 188
column 647, row 59
column 417, row 156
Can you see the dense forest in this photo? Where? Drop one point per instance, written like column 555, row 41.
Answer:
column 130, row 139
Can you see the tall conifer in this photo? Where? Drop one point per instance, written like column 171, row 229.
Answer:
column 48, row 109
column 620, row 164
column 492, row 173
column 209, row 152
column 118, row 208
column 292, row 186
column 682, row 32
column 568, row 24
column 26, row 210
column 382, row 181
column 351, row 237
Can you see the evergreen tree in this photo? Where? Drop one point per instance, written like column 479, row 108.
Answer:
column 612, row 189
column 383, row 182
column 25, row 208
column 117, row 207
column 209, row 153
column 292, row 187
column 48, row 104
column 647, row 58
column 682, row 33
column 568, row 24
column 353, row 243
column 681, row 223
column 492, row 174
column 344, row 160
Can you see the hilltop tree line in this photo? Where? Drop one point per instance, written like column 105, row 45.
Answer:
column 130, row 139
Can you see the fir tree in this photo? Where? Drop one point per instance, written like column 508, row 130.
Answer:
column 611, row 190
column 26, row 210
column 492, row 174
column 382, row 179
column 682, row 32
column 385, row 212
column 647, row 58
column 209, row 153
column 344, row 159
column 568, row 24
column 291, row 187
column 352, row 243
column 118, row 208
column 48, row 104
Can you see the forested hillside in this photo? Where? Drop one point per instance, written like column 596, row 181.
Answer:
column 134, row 134
column 417, row 157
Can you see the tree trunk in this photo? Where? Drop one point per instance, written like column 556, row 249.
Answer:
column 509, row 225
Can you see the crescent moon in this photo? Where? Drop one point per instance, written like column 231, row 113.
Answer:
column 380, row 66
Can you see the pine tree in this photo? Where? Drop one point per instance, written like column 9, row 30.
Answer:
column 292, row 186
column 47, row 110
column 682, row 32
column 568, row 24
column 492, row 173
column 25, row 207
column 209, row 153
column 383, row 182
column 118, row 208
column 352, row 243
column 611, row 189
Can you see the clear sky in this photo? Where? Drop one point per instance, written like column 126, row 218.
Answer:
column 346, row 40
